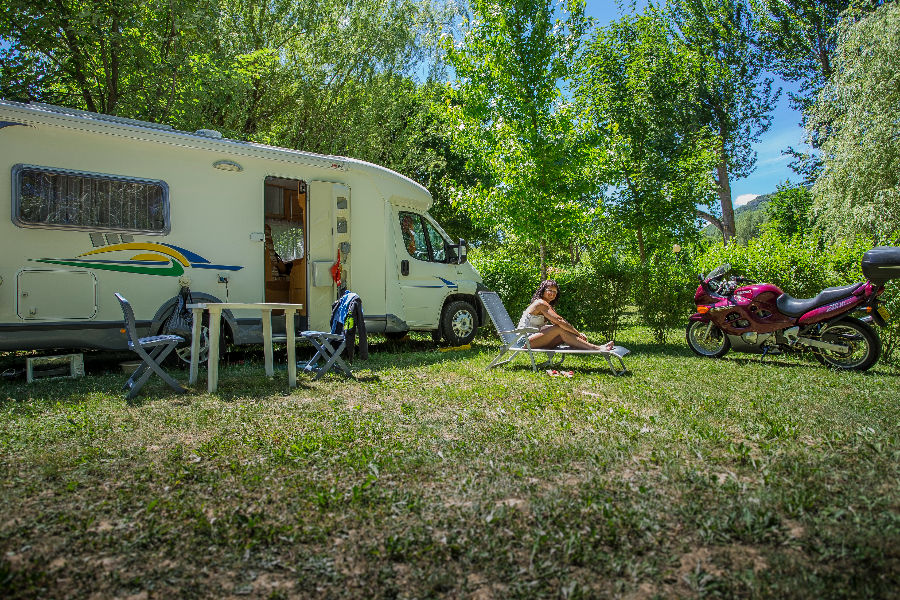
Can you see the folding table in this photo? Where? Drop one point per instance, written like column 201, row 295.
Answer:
column 215, row 323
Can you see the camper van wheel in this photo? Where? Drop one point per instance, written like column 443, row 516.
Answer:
column 459, row 323
column 181, row 357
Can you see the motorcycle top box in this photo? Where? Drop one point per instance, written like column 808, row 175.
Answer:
column 881, row 264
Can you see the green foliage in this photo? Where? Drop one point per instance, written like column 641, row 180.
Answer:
column 733, row 97
column 508, row 111
column 664, row 293
column 118, row 57
column 748, row 225
column 650, row 153
column 789, row 210
column 799, row 265
column 890, row 335
column 596, row 294
column 513, row 278
column 858, row 192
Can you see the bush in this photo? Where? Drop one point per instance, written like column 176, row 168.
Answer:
column 664, row 292
column 596, row 293
column 799, row 265
column 593, row 294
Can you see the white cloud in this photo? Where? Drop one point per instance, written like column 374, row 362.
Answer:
column 744, row 199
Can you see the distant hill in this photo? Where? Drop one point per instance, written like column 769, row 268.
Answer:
column 747, row 218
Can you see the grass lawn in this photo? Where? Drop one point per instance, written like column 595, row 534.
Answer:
column 429, row 477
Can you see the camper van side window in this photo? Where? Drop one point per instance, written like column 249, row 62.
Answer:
column 56, row 198
column 414, row 236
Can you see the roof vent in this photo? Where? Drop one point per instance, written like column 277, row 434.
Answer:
column 210, row 133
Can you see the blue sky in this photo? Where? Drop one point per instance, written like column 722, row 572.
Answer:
column 771, row 166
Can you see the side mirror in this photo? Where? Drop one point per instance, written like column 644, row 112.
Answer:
column 462, row 257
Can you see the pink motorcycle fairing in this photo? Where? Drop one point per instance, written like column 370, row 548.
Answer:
column 838, row 307
column 751, row 308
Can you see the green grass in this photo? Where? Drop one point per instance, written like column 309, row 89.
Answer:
column 429, row 477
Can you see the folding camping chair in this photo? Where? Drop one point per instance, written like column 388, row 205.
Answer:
column 321, row 341
column 163, row 343
column 511, row 337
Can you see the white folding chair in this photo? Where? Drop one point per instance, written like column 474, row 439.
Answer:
column 511, row 336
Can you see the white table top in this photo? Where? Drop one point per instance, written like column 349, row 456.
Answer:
column 245, row 305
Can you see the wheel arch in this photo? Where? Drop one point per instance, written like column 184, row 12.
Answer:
column 164, row 311
column 473, row 300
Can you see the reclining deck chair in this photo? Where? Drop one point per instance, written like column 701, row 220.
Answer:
column 511, row 337
column 164, row 344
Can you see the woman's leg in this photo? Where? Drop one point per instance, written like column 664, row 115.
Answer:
column 554, row 335
column 550, row 336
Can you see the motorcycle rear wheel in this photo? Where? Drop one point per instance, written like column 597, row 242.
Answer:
column 705, row 339
column 865, row 346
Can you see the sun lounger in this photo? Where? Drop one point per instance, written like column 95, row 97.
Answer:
column 511, row 337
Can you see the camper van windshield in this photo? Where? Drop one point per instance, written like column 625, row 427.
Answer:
column 45, row 197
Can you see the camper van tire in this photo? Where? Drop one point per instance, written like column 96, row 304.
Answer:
column 459, row 323
column 182, row 354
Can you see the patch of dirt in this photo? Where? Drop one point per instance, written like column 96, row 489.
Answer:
column 794, row 530
column 696, row 561
column 514, row 503
column 746, row 557
column 645, row 591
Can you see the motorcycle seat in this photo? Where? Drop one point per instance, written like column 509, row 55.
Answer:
column 795, row 307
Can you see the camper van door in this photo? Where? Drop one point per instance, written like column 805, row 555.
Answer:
column 323, row 197
column 430, row 278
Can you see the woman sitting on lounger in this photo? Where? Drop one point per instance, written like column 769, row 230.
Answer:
column 554, row 330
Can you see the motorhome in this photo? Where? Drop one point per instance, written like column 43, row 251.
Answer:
column 100, row 204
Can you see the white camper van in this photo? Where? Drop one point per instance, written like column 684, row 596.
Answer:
column 102, row 204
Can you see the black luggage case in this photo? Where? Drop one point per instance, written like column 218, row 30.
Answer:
column 881, row 264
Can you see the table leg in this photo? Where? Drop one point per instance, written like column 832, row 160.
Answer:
column 291, row 348
column 195, row 344
column 267, row 340
column 215, row 324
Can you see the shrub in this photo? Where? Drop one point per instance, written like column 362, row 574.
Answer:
column 664, row 292
column 799, row 265
column 594, row 293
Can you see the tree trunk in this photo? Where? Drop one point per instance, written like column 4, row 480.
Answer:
column 640, row 234
column 713, row 220
column 543, row 261
column 723, row 187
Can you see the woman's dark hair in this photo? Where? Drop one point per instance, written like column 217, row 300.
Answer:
column 539, row 294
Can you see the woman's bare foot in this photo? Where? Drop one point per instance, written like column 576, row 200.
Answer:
column 608, row 346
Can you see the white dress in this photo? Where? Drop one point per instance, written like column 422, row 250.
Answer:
column 529, row 320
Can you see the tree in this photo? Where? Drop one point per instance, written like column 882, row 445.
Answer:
column 858, row 192
column 651, row 153
column 119, row 57
column 789, row 210
column 800, row 38
column 509, row 112
column 732, row 97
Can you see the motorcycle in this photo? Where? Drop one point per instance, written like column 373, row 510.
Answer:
column 736, row 314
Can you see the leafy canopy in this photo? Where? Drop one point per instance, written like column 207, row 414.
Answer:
column 508, row 110
column 654, row 159
column 856, row 115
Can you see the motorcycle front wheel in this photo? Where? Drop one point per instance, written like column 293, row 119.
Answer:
column 705, row 339
column 864, row 347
